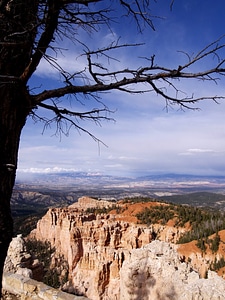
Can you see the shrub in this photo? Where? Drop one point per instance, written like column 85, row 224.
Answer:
column 43, row 251
column 204, row 222
column 217, row 264
column 214, row 243
column 103, row 210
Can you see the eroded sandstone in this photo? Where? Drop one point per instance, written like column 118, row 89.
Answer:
column 111, row 259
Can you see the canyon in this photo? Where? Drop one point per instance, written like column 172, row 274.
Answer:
column 112, row 257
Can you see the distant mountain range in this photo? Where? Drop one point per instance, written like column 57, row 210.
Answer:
column 165, row 182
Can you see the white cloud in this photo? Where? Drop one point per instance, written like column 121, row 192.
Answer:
column 47, row 170
column 69, row 62
column 137, row 142
column 197, row 151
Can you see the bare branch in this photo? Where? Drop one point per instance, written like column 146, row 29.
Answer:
column 94, row 114
column 51, row 23
column 128, row 80
column 211, row 49
column 139, row 11
column 83, row 2
column 66, row 119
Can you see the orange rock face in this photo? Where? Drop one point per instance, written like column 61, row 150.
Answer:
column 96, row 246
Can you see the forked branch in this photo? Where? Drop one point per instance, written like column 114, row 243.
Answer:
column 65, row 119
column 162, row 80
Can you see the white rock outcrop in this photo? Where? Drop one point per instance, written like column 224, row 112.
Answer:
column 19, row 261
column 156, row 272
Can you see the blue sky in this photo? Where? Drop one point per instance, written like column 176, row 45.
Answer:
column 146, row 138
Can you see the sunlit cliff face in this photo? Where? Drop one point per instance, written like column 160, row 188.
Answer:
column 103, row 250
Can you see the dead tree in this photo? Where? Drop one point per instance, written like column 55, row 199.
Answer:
column 29, row 29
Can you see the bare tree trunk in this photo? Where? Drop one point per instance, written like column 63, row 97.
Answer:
column 13, row 112
column 17, row 34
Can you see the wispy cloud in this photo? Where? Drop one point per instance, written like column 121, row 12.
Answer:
column 198, row 151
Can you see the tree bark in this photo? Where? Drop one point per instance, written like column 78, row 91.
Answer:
column 16, row 41
column 13, row 112
column 17, row 35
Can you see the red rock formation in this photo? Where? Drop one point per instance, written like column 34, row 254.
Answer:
column 110, row 256
column 95, row 246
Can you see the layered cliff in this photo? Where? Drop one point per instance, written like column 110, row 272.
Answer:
column 112, row 257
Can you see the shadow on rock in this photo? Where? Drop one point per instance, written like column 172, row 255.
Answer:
column 142, row 285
